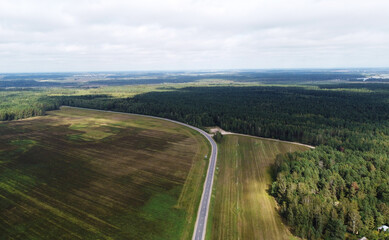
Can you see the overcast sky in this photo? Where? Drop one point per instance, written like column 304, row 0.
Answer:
column 51, row 35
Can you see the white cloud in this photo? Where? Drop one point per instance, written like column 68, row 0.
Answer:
column 88, row 35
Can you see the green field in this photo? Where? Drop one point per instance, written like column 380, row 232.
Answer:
column 81, row 174
column 242, row 206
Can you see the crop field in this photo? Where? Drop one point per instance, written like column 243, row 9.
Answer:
column 83, row 174
column 242, row 206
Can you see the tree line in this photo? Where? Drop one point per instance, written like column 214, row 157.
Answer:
column 338, row 190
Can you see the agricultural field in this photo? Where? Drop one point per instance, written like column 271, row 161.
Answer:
column 84, row 174
column 242, row 206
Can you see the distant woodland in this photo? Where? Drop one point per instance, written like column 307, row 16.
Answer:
column 338, row 190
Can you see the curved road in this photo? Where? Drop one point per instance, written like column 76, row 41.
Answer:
column 202, row 214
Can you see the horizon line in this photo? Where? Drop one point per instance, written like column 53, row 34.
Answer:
column 207, row 70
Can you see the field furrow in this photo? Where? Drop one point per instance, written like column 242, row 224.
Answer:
column 81, row 174
column 243, row 208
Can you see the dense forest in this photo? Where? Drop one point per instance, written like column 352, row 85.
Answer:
column 326, row 192
column 340, row 189
column 23, row 103
column 338, row 118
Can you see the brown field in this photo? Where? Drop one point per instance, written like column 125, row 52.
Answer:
column 80, row 174
column 242, row 207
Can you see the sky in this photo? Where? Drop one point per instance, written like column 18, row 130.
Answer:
column 126, row 35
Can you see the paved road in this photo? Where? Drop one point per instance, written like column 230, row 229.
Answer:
column 202, row 214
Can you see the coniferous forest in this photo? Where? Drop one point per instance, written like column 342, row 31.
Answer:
column 261, row 119
column 338, row 190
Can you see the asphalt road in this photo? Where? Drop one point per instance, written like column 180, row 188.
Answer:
column 202, row 214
